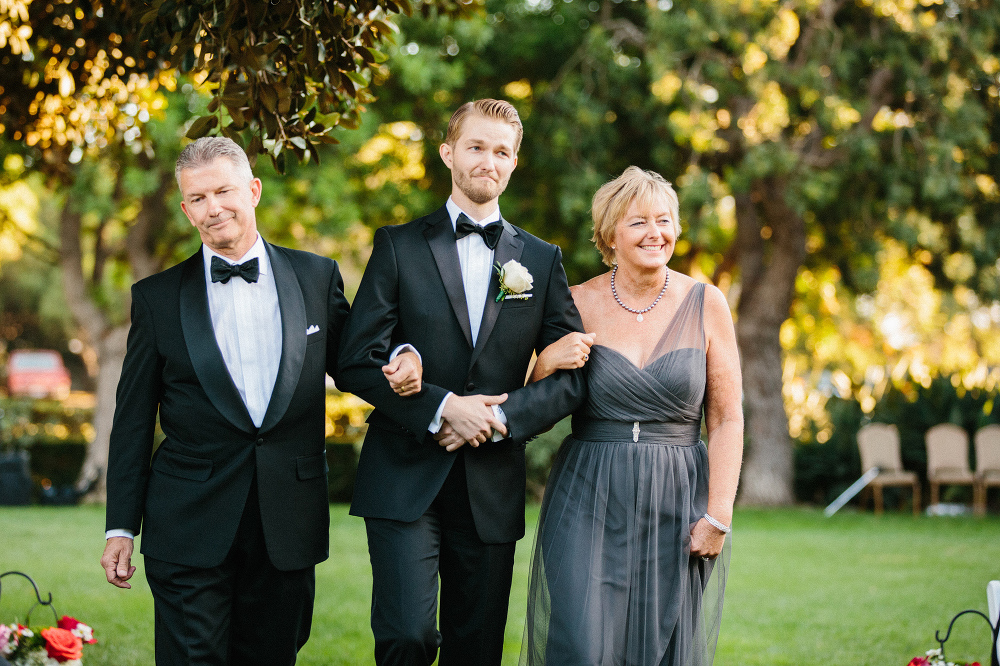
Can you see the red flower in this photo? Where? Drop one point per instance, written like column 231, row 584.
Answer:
column 62, row 645
column 919, row 661
column 68, row 623
column 71, row 623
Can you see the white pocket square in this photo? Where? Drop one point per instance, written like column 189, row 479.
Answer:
column 312, row 329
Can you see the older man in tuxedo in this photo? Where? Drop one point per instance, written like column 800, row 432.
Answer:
column 441, row 479
column 230, row 347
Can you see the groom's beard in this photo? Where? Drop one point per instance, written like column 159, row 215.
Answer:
column 478, row 190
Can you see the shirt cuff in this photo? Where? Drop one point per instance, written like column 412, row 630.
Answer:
column 498, row 412
column 119, row 533
column 437, row 422
column 407, row 348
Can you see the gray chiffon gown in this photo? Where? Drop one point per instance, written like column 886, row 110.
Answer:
column 612, row 579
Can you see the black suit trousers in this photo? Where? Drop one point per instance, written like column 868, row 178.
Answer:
column 475, row 579
column 243, row 612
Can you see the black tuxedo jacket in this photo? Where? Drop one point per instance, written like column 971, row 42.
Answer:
column 412, row 293
column 189, row 495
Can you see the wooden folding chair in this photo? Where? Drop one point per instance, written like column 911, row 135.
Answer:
column 987, row 442
column 878, row 444
column 947, row 458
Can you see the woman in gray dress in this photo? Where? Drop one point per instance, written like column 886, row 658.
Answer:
column 630, row 558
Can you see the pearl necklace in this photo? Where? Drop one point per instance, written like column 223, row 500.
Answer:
column 637, row 313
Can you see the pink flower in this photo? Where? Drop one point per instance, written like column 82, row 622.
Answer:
column 919, row 661
column 5, row 640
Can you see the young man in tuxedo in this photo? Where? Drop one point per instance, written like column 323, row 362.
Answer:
column 441, row 479
column 231, row 347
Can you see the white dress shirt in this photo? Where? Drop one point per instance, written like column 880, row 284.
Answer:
column 247, row 324
column 476, row 260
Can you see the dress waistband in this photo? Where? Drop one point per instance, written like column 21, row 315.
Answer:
column 648, row 432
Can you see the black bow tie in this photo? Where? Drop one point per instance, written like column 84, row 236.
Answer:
column 222, row 270
column 490, row 233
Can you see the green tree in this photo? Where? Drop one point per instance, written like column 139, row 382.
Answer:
column 283, row 73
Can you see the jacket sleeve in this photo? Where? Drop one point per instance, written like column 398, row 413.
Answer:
column 138, row 398
column 337, row 311
column 540, row 405
column 367, row 341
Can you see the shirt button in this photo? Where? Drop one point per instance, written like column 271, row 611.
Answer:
column 260, row 440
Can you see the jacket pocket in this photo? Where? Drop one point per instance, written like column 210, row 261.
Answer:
column 310, row 467
column 182, row 466
column 513, row 303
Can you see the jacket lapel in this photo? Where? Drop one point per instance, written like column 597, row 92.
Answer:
column 441, row 238
column 209, row 366
column 509, row 247
column 293, row 337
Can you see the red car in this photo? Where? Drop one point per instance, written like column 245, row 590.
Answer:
column 37, row 373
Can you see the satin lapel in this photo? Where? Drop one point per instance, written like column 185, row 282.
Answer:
column 209, row 366
column 441, row 239
column 509, row 247
column 293, row 337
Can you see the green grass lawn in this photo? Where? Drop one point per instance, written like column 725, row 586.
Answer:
column 854, row 589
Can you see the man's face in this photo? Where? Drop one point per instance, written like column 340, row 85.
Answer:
column 220, row 203
column 481, row 160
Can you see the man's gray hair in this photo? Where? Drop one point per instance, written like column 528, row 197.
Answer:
column 206, row 150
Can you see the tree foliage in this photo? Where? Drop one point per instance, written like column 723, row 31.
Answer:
column 83, row 73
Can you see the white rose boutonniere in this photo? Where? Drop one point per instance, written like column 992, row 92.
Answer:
column 514, row 281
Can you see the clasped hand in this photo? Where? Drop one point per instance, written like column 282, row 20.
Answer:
column 567, row 353
column 469, row 419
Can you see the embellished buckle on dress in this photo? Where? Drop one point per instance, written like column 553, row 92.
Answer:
column 635, row 432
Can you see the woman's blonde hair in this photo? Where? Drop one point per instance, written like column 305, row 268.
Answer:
column 612, row 201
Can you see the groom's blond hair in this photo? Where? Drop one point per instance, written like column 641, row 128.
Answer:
column 494, row 109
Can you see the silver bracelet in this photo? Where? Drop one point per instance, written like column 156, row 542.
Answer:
column 717, row 525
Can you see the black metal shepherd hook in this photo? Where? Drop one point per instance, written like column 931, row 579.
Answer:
column 993, row 632
column 38, row 595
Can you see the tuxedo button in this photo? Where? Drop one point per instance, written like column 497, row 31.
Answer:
column 470, row 387
column 260, row 440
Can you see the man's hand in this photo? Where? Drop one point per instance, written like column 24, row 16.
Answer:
column 117, row 561
column 449, row 439
column 472, row 418
column 404, row 374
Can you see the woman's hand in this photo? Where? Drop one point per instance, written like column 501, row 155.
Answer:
column 404, row 374
column 706, row 540
column 567, row 353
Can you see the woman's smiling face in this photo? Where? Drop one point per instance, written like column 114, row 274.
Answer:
column 645, row 237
